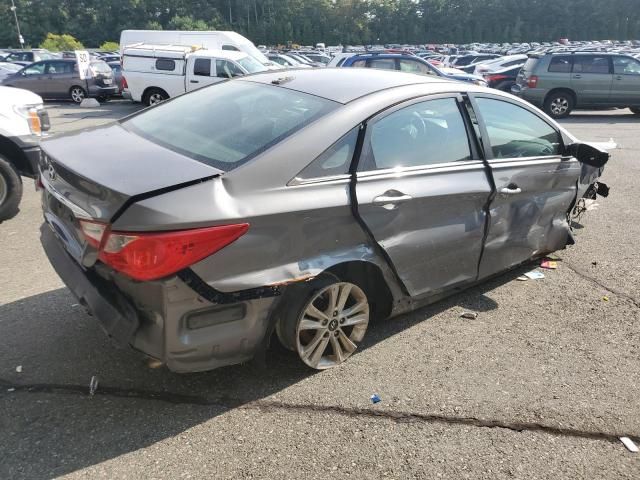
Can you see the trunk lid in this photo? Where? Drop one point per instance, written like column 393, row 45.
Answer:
column 96, row 174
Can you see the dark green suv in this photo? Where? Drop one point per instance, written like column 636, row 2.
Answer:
column 560, row 82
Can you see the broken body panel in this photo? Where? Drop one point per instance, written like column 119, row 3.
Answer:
column 456, row 229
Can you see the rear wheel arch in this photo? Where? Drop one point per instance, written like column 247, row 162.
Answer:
column 370, row 278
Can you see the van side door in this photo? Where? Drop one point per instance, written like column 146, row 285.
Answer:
column 200, row 72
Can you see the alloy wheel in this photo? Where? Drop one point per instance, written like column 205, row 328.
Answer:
column 559, row 105
column 155, row 98
column 77, row 94
column 332, row 323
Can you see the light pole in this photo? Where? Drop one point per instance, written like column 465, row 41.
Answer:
column 15, row 15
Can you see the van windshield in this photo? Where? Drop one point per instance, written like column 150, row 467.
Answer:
column 227, row 124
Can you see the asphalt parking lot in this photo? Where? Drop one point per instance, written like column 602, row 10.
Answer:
column 540, row 385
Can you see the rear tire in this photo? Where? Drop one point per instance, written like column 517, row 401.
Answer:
column 10, row 190
column 77, row 94
column 559, row 104
column 323, row 320
column 635, row 110
column 154, row 96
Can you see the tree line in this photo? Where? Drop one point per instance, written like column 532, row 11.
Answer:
column 346, row 22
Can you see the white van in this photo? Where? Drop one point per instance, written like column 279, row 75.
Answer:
column 155, row 73
column 209, row 40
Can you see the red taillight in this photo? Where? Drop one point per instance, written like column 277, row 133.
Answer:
column 124, row 83
column 495, row 78
column 532, row 82
column 149, row 256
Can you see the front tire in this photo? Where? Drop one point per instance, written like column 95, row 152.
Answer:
column 559, row 104
column 10, row 190
column 77, row 94
column 324, row 321
column 154, row 96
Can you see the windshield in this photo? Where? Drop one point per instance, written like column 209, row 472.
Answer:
column 251, row 49
column 251, row 65
column 227, row 124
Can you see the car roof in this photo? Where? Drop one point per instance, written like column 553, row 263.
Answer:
column 353, row 83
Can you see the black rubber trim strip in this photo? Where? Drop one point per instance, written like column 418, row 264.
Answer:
column 209, row 293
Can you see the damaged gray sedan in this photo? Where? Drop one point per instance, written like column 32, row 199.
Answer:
column 302, row 204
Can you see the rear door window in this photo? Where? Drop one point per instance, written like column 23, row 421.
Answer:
column 560, row 65
column 591, row 64
column 412, row 66
column 57, row 68
column 382, row 63
column 516, row 132
column 425, row 133
column 202, row 67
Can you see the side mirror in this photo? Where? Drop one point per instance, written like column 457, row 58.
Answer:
column 588, row 154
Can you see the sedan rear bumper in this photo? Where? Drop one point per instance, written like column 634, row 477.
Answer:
column 115, row 313
column 165, row 319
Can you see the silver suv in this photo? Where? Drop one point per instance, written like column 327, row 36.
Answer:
column 560, row 82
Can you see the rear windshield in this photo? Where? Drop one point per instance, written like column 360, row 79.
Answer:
column 529, row 64
column 227, row 124
column 101, row 67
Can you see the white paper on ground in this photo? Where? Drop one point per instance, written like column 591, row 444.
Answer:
column 632, row 447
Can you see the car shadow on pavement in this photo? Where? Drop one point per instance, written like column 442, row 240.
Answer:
column 52, row 426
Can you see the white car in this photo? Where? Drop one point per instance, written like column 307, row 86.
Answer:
column 22, row 121
column 154, row 73
column 501, row 63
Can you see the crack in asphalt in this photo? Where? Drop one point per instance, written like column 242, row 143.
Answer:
column 592, row 279
column 268, row 406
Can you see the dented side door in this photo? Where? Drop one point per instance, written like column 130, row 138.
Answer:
column 535, row 184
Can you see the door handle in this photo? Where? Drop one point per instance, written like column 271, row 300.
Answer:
column 577, row 76
column 194, row 81
column 511, row 189
column 391, row 199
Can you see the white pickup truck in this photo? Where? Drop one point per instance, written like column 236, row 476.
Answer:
column 22, row 121
column 154, row 73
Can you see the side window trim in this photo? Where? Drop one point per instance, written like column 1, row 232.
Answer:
column 365, row 136
column 486, row 144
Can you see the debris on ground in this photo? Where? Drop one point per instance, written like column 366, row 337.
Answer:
column 93, row 385
column 154, row 363
column 469, row 315
column 19, row 369
column 534, row 275
column 522, row 278
column 605, row 299
column 11, row 389
column 549, row 264
column 375, row 398
column 632, row 447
